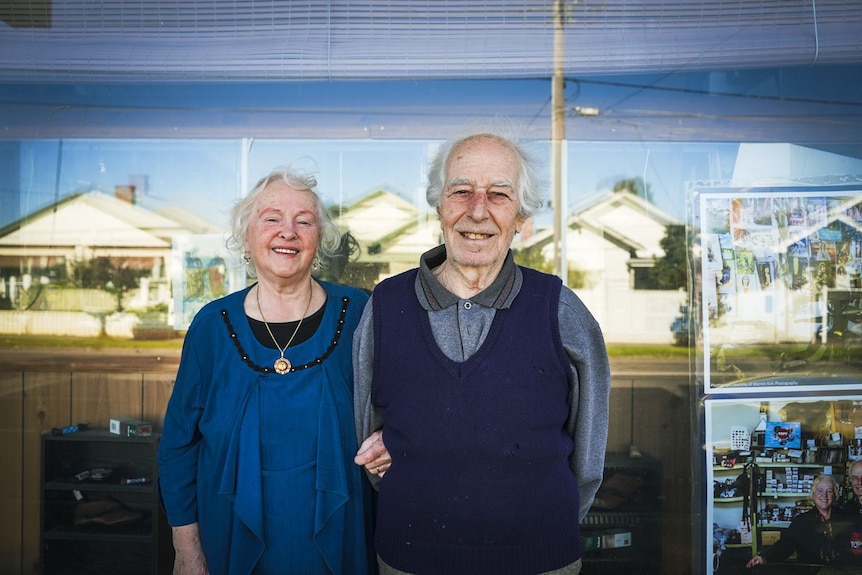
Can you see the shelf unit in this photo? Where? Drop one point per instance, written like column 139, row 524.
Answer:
column 640, row 513
column 141, row 547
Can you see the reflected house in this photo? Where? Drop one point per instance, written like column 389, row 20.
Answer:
column 391, row 232
column 613, row 239
column 40, row 249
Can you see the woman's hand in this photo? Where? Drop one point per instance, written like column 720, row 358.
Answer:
column 373, row 454
column 189, row 559
column 756, row 560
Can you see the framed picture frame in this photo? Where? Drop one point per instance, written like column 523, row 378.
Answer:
column 781, row 296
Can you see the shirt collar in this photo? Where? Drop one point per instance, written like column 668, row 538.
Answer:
column 434, row 297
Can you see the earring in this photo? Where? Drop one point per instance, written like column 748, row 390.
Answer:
column 315, row 263
column 247, row 257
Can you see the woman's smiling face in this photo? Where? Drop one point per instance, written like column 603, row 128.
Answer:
column 283, row 234
column 824, row 495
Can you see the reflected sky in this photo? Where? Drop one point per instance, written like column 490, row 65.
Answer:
column 183, row 144
column 206, row 176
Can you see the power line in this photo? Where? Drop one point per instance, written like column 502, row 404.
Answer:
column 713, row 93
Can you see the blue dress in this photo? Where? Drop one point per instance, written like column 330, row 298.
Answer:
column 264, row 462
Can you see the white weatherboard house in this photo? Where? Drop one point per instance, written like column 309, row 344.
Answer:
column 79, row 228
column 608, row 239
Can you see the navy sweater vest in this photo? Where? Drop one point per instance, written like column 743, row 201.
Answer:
column 480, row 480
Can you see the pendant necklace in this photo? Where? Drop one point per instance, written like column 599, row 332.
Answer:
column 283, row 365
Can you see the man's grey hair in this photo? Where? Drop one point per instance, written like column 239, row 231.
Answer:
column 528, row 187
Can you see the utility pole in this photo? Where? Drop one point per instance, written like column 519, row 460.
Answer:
column 558, row 135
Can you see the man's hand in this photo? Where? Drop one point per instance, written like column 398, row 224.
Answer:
column 373, row 454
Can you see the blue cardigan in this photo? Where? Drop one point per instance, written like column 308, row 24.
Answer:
column 209, row 454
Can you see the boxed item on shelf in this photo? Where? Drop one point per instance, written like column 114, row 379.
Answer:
column 131, row 427
column 618, row 537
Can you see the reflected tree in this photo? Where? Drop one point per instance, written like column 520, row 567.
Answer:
column 532, row 257
column 636, row 186
column 671, row 271
column 113, row 275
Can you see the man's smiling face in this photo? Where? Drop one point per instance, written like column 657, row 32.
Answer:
column 479, row 208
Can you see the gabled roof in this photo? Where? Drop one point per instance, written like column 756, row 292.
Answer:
column 391, row 224
column 377, row 215
column 93, row 219
column 192, row 222
column 627, row 221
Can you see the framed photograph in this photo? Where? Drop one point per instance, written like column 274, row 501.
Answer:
column 791, row 439
column 781, row 295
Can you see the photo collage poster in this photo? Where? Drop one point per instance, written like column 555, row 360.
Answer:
column 781, row 281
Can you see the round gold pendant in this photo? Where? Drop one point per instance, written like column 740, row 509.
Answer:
column 281, row 366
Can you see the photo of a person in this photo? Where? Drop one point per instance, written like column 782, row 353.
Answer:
column 823, row 251
column 744, row 262
column 814, row 536
column 843, row 252
column 842, row 280
column 765, row 275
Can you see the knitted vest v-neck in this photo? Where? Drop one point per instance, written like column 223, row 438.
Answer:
column 480, row 480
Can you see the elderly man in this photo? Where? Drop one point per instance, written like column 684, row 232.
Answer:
column 855, row 505
column 488, row 384
column 853, row 512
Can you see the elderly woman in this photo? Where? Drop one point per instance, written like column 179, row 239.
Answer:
column 256, row 469
column 817, row 536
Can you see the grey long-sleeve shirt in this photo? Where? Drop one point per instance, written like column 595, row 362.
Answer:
column 460, row 327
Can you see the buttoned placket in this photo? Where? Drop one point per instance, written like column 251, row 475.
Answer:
column 468, row 329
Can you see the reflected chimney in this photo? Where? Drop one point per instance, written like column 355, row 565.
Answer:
column 125, row 193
